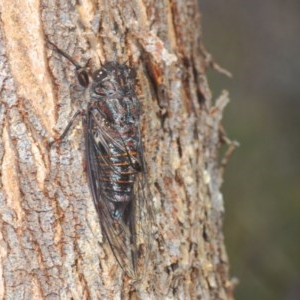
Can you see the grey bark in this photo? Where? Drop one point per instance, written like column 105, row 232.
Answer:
column 51, row 244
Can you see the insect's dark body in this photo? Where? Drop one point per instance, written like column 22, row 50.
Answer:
column 115, row 163
column 113, row 124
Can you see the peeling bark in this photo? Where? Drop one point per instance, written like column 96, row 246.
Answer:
column 51, row 243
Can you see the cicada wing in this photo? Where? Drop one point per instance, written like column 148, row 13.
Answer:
column 142, row 215
column 129, row 237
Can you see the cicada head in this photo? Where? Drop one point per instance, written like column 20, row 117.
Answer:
column 114, row 79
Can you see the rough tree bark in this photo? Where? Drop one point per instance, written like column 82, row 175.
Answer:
column 51, row 242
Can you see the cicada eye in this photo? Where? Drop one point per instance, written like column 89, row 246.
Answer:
column 99, row 75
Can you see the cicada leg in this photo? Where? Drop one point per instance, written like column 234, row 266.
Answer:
column 80, row 112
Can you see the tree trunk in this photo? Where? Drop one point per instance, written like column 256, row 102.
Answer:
column 51, row 241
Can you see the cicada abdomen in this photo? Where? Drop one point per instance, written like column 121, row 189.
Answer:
column 115, row 162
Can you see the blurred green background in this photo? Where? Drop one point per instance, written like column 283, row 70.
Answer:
column 259, row 42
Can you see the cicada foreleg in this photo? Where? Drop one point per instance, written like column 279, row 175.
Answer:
column 83, row 78
column 79, row 112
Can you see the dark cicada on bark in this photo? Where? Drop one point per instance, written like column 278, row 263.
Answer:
column 115, row 161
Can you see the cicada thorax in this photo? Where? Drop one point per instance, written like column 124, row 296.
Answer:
column 114, row 80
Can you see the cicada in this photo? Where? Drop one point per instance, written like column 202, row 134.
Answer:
column 115, row 161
